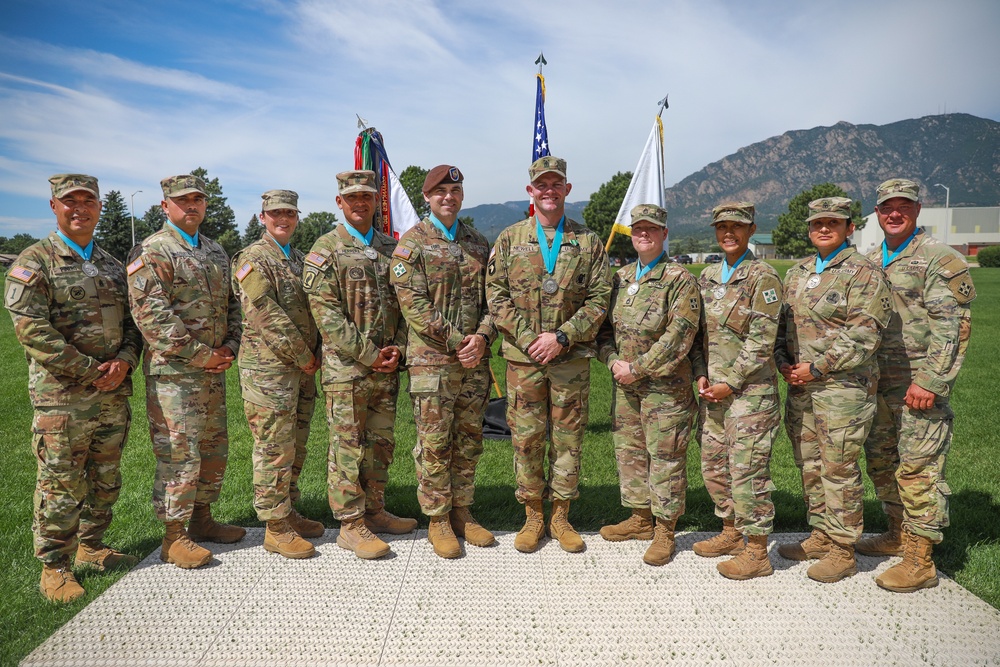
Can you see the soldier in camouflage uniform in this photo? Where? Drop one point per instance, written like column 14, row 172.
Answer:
column 346, row 280
column 919, row 359
column 439, row 272
column 548, row 285
column 836, row 305
column 185, row 308
column 733, row 361
column 279, row 357
column 67, row 299
column 645, row 342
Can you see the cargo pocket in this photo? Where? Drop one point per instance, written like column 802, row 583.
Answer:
column 52, row 446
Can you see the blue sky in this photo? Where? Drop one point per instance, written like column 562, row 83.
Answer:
column 263, row 94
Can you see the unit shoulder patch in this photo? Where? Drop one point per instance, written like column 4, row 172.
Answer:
column 770, row 296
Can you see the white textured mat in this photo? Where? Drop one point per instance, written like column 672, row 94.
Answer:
column 496, row 606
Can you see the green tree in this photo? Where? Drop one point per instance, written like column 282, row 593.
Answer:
column 412, row 180
column 230, row 241
column 219, row 217
column 311, row 228
column 152, row 221
column 254, row 231
column 602, row 210
column 15, row 244
column 791, row 236
column 467, row 219
column 114, row 230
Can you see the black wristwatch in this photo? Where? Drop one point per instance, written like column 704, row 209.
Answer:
column 562, row 338
column 815, row 371
column 486, row 338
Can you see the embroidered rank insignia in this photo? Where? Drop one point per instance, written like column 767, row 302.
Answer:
column 399, row 270
column 136, row 265
column 886, row 303
column 770, row 296
column 21, row 273
column 316, row 259
column 244, row 271
column 403, row 253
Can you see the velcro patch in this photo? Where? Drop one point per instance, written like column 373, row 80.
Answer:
column 136, row 265
column 399, row 270
column 770, row 296
column 403, row 253
column 244, row 271
column 316, row 259
column 22, row 273
column 963, row 289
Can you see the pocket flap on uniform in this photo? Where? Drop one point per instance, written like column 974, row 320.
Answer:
column 425, row 384
column 50, row 423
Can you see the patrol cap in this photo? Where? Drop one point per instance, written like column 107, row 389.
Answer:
column 443, row 173
column 63, row 184
column 178, row 186
column 544, row 165
column 735, row 211
column 275, row 200
column 830, row 207
column 356, row 181
column 650, row 213
column 897, row 187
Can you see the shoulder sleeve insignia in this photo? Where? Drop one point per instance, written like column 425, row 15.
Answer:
column 770, row 296
column 22, row 273
column 316, row 259
column 962, row 287
column 136, row 265
column 886, row 303
column 403, row 253
column 399, row 270
column 244, row 271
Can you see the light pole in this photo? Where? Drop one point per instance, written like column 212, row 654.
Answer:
column 131, row 208
column 947, row 210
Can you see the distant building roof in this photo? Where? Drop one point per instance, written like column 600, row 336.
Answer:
column 761, row 239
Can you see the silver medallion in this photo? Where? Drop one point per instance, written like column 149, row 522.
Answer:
column 633, row 289
column 719, row 292
column 812, row 282
column 455, row 249
column 371, row 253
column 90, row 269
column 550, row 285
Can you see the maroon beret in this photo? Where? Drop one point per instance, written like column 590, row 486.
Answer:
column 443, row 173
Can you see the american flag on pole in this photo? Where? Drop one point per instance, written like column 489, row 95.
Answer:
column 540, row 145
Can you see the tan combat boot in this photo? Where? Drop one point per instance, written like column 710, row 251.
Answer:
column 749, row 563
column 101, row 557
column 727, row 543
column 917, row 569
column 281, row 538
column 527, row 538
column 889, row 543
column 560, row 528
column 58, row 583
column 442, row 537
column 203, row 528
column 303, row 526
column 815, row 546
column 386, row 522
column 661, row 551
column 355, row 536
column 180, row 550
column 837, row 564
column 639, row 526
column 465, row 525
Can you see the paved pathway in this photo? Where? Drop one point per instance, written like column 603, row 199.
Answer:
column 499, row 607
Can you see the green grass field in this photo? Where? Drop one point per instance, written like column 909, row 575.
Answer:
column 970, row 552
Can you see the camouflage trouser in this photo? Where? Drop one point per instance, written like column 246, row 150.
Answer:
column 448, row 406
column 187, row 426
column 906, row 452
column 736, row 437
column 537, row 394
column 78, row 448
column 827, row 423
column 650, row 430
column 361, row 415
column 279, row 406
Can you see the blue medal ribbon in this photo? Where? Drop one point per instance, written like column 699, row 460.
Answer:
column 549, row 253
column 366, row 239
column 448, row 233
column 887, row 257
column 192, row 240
column 287, row 249
column 821, row 263
column 84, row 253
column 727, row 271
column 641, row 270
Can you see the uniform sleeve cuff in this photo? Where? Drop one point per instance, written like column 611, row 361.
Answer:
column 932, row 384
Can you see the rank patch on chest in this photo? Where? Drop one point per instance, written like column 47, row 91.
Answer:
column 770, row 296
column 244, row 271
column 316, row 259
column 403, row 253
column 21, row 273
column 136, row 265
column 399, row 270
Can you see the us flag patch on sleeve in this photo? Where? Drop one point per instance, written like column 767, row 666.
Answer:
column 135, row 266
column 402, row 252
column 243, row 271
column 316, row 259
column 24, row 274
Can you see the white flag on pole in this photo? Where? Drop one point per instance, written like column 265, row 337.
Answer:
column 403, row 214
column 647, row 185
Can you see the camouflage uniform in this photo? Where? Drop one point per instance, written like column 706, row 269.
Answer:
column 735, row 346
column 69, row 323
column 357, row 314
column 279, row 339
column 653, row 330
column 442, row 295
column 557, row 392
column 184, row 306
column 924, row 344
column 833, row 320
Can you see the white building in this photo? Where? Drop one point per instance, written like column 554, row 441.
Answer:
column 965, row 229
